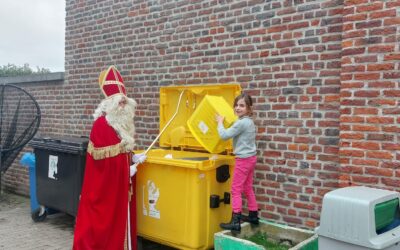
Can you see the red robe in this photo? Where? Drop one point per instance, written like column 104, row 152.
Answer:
column 102, row 216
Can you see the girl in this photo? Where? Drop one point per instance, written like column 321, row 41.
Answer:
column 243, row 133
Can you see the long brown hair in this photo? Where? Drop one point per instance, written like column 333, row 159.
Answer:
column 247, row 100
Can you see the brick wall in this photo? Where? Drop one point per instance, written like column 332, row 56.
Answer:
column 369, row 96
column 324, row 76
column 287, row 54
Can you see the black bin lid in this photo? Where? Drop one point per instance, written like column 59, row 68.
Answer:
column 76, row 145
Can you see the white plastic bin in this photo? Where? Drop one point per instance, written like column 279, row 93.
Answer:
column 355, row 218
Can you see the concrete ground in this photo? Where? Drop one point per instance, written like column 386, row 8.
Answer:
column 19, row 232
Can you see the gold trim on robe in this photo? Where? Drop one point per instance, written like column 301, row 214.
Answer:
column 99, row 153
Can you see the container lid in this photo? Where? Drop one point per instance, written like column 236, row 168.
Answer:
column 203, row 126
column 177, row 133
column 76, row 145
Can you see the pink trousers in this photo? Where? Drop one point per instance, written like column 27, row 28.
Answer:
column 243, row 183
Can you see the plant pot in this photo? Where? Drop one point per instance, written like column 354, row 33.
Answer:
column 294, row 238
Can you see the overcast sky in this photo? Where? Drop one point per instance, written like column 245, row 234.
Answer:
column 32, row 31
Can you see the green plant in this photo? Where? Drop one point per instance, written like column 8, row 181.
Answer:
column 14, row 70
column 261, row 239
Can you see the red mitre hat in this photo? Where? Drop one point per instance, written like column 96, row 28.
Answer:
column 111, row 82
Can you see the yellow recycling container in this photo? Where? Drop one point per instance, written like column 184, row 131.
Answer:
column 183, row 192
column 202, row 123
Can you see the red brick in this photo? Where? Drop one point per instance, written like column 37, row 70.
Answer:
column 392, row 4
column 381, row 102
column 350, row 102
column 370, row 7
column 366, row 93
column 352, row 169
column 352, row 34
column 383, row 31
column 382, row 84
column 365, row 179
column 366, row 162
column 272, row 154
column 277, row 29
column 353, row 68
column 391, row 111
column 366, row 145
column 345, row 127
column 348, row 27
column 383, row 14
column 366, row 111
column 344, row 144
column 380, row 67
column 300, row 25
column 391, row 129
column 390, row 146
column 257, row 32
column 357, row 136
column 332, row 98
column 306, row 206
column 381, row 120
column 291, row 155
column 285, row 44
column 354, row 2
column 366, row 76
column 328, row 123
column 280, row 201
column 264, row 53
column 352, row 153
column 311, row 157
column 391, row 182
column 365, row 128
column 381, row 49
column 305, row 106
column 392, row 93
column 379, row 155
column 380, row 137
column 353, row 51
column 379, row 172
column 281, row 107
column 292, row 220
column 391, row 164
column 391, row 21
column 351, row 85
column 365, row 59
column 356, row 17
column 391, row 75
column 392, row 57
column 345, row 94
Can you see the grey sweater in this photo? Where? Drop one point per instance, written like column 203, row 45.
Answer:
column 243, row 133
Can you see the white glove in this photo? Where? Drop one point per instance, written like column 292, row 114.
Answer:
column 139, row 158
column 133, row 169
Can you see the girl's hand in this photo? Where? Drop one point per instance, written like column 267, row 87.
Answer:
column 219, row 118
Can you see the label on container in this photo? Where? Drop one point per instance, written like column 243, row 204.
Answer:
column 203, row 127
column 53, row 161
column 150, row 202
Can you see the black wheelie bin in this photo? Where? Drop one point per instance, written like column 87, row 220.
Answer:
column 60, row 166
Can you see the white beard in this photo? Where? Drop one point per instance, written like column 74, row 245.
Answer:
column 119, row 118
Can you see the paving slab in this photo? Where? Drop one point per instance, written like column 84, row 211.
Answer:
column 19, row 232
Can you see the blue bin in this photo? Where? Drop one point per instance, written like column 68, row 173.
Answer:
column 38, row 212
